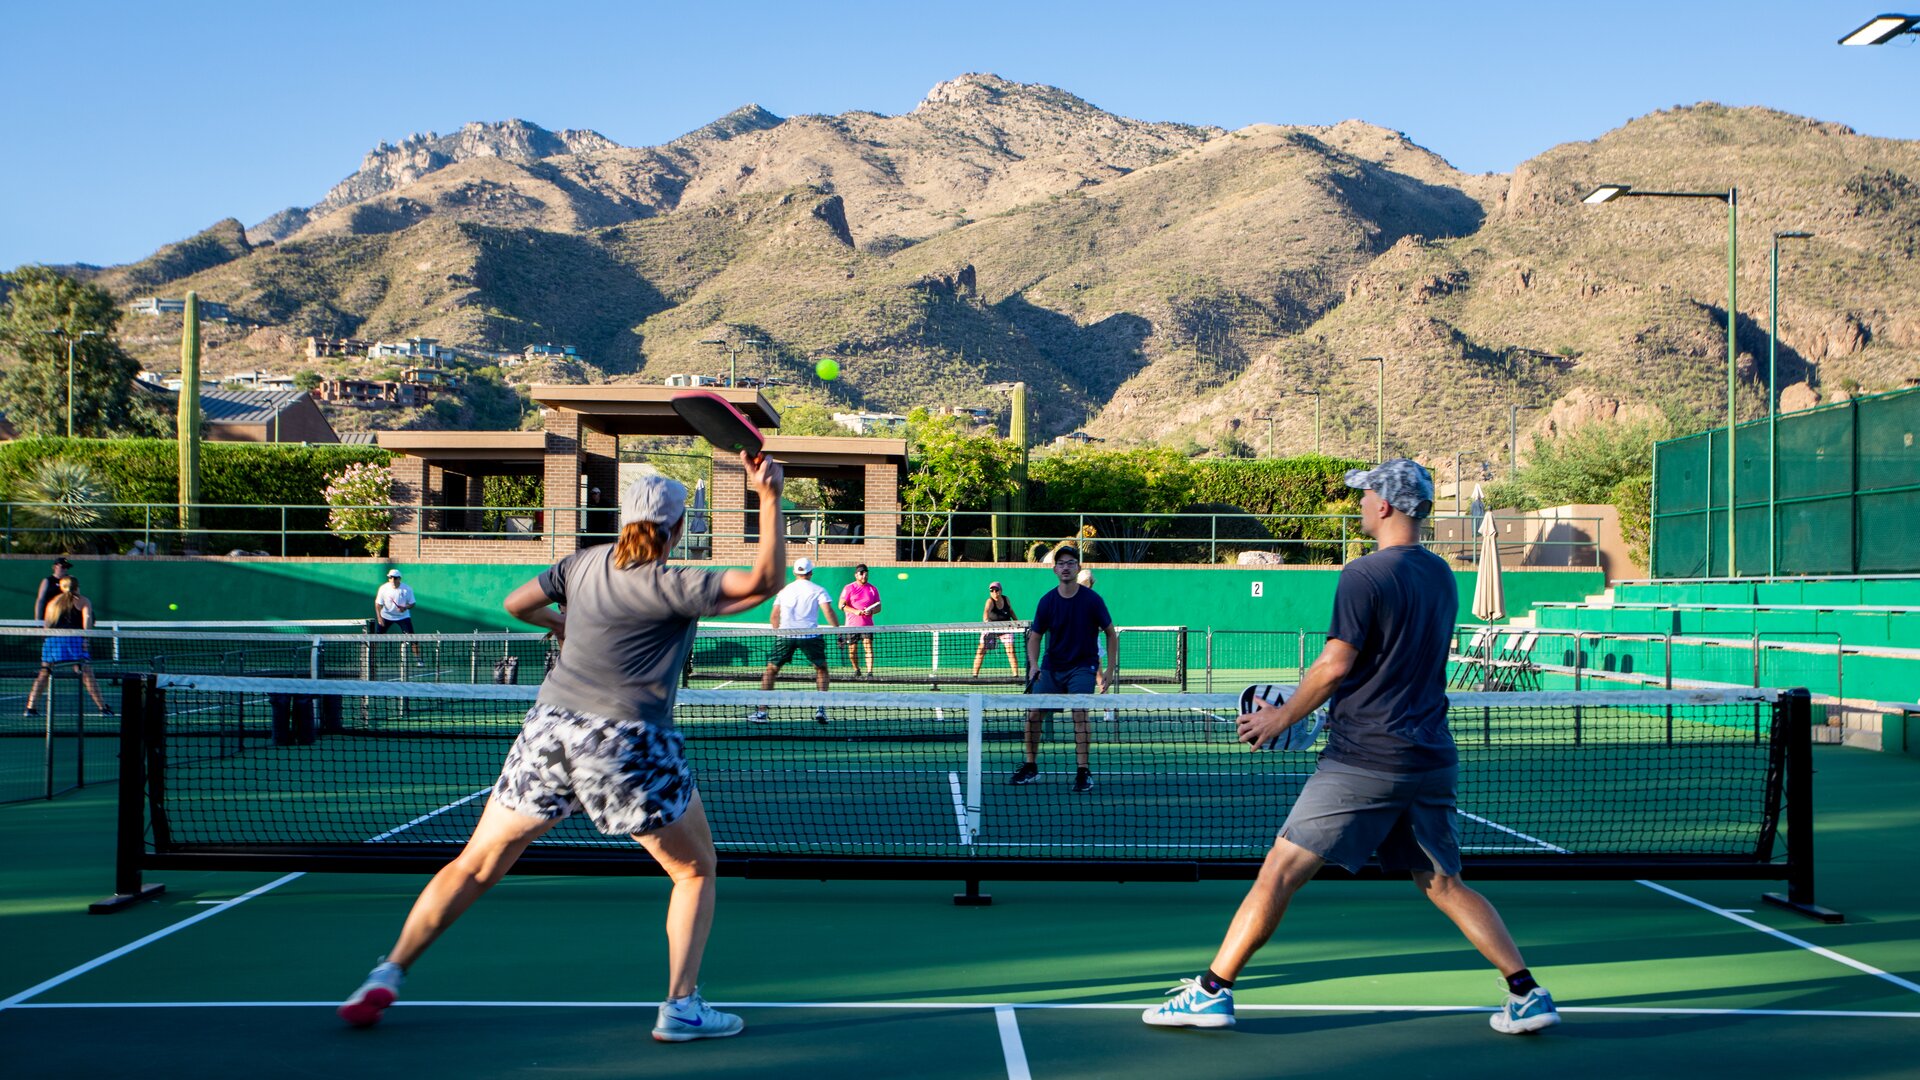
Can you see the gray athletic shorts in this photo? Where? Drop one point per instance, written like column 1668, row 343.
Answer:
column 1345, row 814
column 628, row 776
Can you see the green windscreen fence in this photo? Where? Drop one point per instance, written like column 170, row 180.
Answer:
column 1843, row 498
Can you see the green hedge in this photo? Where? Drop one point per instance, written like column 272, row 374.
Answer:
column 1107, row 485
column 246, row 474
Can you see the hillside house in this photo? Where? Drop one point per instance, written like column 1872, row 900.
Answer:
column 321, row 347
column 974, row 414
column 155, row 305
column 866, row 423
column 550, row 351
column 419, row 349
column 371, row 393
column 692, row 380
column 1076, row 438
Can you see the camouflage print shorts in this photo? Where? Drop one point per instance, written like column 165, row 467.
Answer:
column 629, row 777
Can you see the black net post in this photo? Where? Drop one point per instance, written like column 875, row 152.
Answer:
column 1796, row 720
column 130, row 841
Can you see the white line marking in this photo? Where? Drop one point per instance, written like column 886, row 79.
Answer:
column 1725, row 913
column 1869, row 969
column 960, row 807
column 1010, row 1045
column 74, row 973
column 1241, row 1006
column 428, row 816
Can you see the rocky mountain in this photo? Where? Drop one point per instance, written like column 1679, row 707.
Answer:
column 1151, row 281
column 389, row 166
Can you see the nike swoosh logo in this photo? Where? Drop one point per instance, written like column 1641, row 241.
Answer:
column 690, row 1021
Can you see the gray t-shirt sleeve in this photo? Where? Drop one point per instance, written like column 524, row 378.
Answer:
column 553, row 580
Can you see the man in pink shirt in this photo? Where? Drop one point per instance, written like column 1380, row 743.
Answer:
column 860, row 602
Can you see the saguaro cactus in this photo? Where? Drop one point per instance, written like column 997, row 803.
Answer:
column 189, row 422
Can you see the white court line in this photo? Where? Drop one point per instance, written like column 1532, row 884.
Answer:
column 1839, row 958
column 960, row 807
column 215, row 909
column 74, row 973
column 1869, row 969
column 1239, row 1006
column 1010, row 1044
column 429, row 816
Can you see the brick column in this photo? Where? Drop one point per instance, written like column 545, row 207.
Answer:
column 881, row 500
column 562, row 481
column 477, row 500
column 409, row 490
column 726, row 506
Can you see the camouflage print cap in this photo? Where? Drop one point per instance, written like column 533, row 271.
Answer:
column 1402, row 483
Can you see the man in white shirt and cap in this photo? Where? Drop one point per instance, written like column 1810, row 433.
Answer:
column 393, row 611
column 799, row 606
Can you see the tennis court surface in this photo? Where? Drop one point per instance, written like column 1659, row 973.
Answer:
column 237, row 971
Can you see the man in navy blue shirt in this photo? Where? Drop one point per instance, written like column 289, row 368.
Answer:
column 1386, row 781
column 1071, row 617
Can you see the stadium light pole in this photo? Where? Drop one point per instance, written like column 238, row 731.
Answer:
column 1773, row 393
column 62, row 332
column 1379, row 409
column 1883, row 28
column 1606, row 193
column 1513, row 438
column 1315, row 395
column 731, row 353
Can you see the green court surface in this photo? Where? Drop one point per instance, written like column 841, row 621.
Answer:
column 557, row 976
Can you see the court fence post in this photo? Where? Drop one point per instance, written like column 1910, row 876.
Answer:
column 130, row 837
column 1795, row 722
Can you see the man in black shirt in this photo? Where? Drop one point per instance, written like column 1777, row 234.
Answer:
column 50, row 587
column 1386, row 781
column 1072, row 618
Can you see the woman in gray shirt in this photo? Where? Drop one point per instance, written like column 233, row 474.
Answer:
column 601, row 738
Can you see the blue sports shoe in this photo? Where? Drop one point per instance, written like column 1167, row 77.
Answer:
column 1526, row 1015
column 692, row 1018
column 1190, row 1006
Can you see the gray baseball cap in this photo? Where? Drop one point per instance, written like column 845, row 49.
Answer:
column 1402, row 483
column 653, row 497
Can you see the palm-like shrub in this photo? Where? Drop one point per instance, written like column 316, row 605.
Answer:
column 66, row 507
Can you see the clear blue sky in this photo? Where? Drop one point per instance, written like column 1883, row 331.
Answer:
column 129, row 125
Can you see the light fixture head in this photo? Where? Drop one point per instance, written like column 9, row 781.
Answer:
column 713, row 341
column 1881, row 29
column 1793, row 234
column 1605, row 193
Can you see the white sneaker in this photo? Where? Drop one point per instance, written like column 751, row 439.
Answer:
column 692, row 1018
column 1526, row 1015
column 1191, row 1006
column 380, row 990
column 820, row 715
column 758, row 716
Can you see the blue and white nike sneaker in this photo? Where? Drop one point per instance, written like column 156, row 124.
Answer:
column 1190, row 1006
column 692, row 1018
column 1526, row 1015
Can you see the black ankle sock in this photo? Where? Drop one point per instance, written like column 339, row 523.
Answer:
column 1520, row 983
column 1213, row 984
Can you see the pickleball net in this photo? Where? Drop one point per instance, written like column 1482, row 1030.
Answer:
column 379, row 776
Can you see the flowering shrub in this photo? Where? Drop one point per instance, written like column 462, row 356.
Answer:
column 360, row 496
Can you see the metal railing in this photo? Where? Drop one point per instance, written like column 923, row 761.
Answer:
column 913, row 535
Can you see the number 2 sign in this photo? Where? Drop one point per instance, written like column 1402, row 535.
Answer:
column 1259, row 589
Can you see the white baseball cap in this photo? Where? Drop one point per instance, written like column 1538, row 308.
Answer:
column 804, row 566
column 393, row 573
column 653, row 497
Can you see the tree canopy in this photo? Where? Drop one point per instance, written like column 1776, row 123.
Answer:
column 33, row 386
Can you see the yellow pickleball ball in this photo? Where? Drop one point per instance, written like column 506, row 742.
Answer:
column 902, row 575
column 828, row 370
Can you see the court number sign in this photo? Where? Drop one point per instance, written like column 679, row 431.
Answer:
column 1259, row 589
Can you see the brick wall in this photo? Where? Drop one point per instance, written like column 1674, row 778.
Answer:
column 562, row 479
